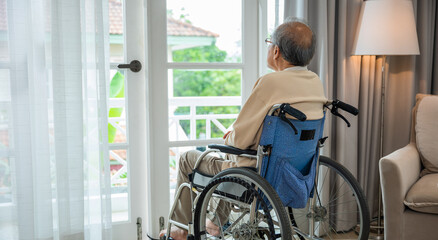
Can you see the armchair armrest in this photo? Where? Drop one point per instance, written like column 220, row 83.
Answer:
column 232, row 150
column 398, row 172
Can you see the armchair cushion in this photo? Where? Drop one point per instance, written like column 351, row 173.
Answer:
column 423, row 195
column 426, row 132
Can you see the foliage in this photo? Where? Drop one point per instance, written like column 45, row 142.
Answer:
column 172, row 162
column 200, row 54
column 206, row 83
column 117, row 90
column 188, row 83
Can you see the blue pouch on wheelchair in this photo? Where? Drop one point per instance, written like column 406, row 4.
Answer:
column 291, row 165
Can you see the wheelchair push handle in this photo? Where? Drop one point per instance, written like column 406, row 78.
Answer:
column 336, row 105
column 287, row 108
column 293, row 112
column 346, row 107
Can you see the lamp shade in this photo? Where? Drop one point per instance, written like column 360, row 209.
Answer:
column 386, row 27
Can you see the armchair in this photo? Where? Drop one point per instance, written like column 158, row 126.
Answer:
column 409, row 178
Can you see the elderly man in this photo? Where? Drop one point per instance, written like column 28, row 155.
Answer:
column 291, row 48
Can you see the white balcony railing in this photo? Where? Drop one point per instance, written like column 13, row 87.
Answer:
column 177, row 136
column 118, row 150
column 180, row 141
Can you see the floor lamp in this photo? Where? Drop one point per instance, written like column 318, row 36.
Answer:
column 385, row 28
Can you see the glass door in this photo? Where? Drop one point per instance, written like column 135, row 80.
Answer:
column 127, row 118
column 204, row 74
column 203, row 66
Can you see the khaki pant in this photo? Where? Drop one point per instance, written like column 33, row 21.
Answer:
column 210, row 165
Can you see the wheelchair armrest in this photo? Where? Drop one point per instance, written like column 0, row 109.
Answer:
column 232, row 150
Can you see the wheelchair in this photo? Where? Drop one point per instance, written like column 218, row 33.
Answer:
column 292, row 193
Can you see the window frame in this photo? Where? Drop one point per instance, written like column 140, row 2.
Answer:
column 253, row 64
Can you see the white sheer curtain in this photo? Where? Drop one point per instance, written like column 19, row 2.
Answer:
column 55, row 180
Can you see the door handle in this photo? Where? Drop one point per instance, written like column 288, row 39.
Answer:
column 134, row 66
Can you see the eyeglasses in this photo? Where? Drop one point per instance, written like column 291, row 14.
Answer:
column 268, row 41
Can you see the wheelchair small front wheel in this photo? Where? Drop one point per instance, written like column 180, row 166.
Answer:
column 240, row 204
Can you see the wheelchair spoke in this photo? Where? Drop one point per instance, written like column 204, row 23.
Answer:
column 237, row 220
column 230, row 207
column 339, row 206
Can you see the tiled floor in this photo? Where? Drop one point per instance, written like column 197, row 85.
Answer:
column 348, row 236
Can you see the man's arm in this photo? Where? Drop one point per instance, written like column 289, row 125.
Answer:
column 247, row 127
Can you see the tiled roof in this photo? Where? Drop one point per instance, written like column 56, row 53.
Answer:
column 116, row 17
column 178, row 28
column 174, row 27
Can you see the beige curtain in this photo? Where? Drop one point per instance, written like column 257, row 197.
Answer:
column 357, row 80
column 410, row 75
column 407, row 76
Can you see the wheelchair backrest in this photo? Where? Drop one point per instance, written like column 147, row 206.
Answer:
column 292, row 153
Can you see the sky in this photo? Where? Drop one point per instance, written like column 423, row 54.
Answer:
column 225, row 19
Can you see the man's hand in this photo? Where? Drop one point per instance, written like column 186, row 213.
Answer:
column 226, row 134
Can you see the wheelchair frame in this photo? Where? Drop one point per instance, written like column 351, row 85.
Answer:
column 258, row 155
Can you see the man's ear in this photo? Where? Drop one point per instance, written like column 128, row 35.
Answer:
column 277, row 53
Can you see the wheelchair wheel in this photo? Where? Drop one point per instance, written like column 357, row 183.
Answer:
column 244, row 205
column 338, row 210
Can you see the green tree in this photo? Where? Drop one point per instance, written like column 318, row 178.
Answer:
column 204, row 82
column 117, row 90
column 188, row 83
column 209, row 53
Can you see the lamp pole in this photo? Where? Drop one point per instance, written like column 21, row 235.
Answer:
column 380, row 228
